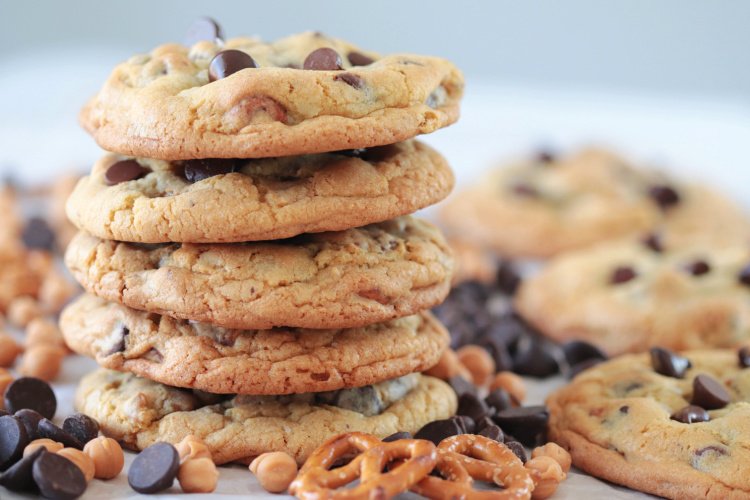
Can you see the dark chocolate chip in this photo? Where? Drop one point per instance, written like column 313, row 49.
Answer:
column 154, row 469
column 698, row 268
column 499, row 399
column 471, row 406
column 461, row 386
column 32, row 393
column 198, row 170
column 653, row 242
column 622, row 274
column 438, row 430
column 359, row 59
column 228, row 62
column 708, row 393
column 13, row 439
column 528, row 424
column 744, row 357
column 323, row 59
column 121, row 342
column 690, row 414
column 668, row 363
column 350, row 79
column 537, row 357
column 545, row 156
column 124, row 171
column 507, row 278
column 624, row 409
column 380, row 153
column 50, row 431
column 484, row 422
column 19, row 477
column 498, row 351
column 664, row 196
column 30, row 419
column 396, row 436
column 82, row 427
column 522, row 189
column 744, row 275
column 38, row 235
column 467, row 424
column 203, row 28
column 57, row 477
column 493, row 432
column 518, row 449
column 713, row 449
column 577, row 351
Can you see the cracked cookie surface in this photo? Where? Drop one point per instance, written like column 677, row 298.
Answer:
column 540, row 208
column 326, row 280
column 162, row 104
column 265, row 199
column 139, row 412
column 626, row 297
column 279, row 361
column 615, row 421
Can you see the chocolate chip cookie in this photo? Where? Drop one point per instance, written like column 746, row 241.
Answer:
column 539, row 208
column 672, row 425
column 208, row 201
column 626, row 297
column 140, row 412
column 245, row 98
column 279, row 361
column 336, row 280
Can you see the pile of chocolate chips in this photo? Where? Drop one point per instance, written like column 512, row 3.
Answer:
column 30, row 405
column 482, row 314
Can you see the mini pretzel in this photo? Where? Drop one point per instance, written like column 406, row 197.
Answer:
column 315, row 479
column 466, row 457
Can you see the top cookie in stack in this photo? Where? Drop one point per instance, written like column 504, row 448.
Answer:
column 216, row 149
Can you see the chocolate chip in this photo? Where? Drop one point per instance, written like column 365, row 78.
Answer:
column 718, row 450
column 121, row 342
column 13, row 439
column 473, row 407
column 664, row 196
column 38, row 235
column 198, row 170
column 545, row 156
column 30, row 419
column 708, row 393
column 523, row 189
column 577, row 351
column 507, row 278
column 744, row 275
column 498, row 351
column 668, row 363
column 528, row 424
column 622, row 274
column 82, row 427
column 154, row 469
column 653, row 242
column 323, row 59
column 49, row 430
column 32, row 393
column 57, row 477
column 744, row 357
column 461, row 386
column 228, row 62
column 493, row 432
column 350, row 79
column 359, row 59
column 690, row 414
column 438, row 430
column 466, row 424
column 517, row 449
column 537, row 357
column 203, row 28
column 124, row 171
column 624, row 409
column 698, row 268
column 19, row 476
column 482, row 423
column 499, row 399
column 396, row 436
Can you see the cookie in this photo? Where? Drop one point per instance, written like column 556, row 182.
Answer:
column 139, row 412
column 280, row 361
column 626, row 297
column 624, row 422
column 325, row 280
column 269, row 199
column 180, row 103
column 540, row 208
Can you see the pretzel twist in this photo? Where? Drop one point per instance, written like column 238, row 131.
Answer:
column 464, row 458
column 316, row 480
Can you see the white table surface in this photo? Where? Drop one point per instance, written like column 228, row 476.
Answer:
column 705, row 139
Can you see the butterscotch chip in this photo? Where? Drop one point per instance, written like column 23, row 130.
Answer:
column 22, row 310
column 47, row 444
column 56, row 291
column 556, row 452
column 9, row 350
column 275, row 471
column 191, row 448
column 448, row 366
column 478, row 361
column 107, row 456
column 510, row 383
column 547, row 475
column 42, row 361
column 5, row 380
column 198, row 475
column 43, row 331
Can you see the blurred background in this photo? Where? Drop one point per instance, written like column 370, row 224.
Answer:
column 667, row 81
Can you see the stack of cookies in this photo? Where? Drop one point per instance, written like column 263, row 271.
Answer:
column 253, row 275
